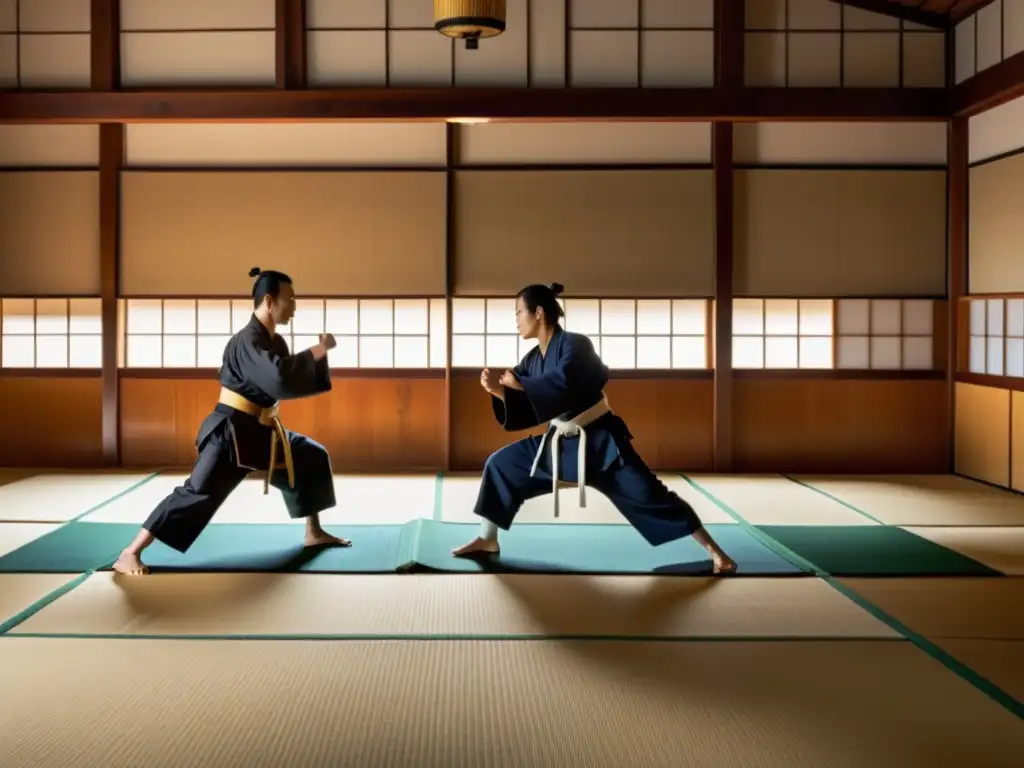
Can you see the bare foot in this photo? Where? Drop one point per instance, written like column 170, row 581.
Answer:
column 724, row 564
column 324, row 539
column 130, row 565
column 478, row 546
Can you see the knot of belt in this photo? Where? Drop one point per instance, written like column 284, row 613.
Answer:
column 268, row 417
column 561, row 427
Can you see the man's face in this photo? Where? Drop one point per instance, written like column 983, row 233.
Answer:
column 282, row 308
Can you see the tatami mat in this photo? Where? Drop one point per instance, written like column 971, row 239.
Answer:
column 459, row 496
column 279, row 604
column 966, row 608
column 15, row 535
column 999, row 661
column 362, row 500
column 18, row 591
column 919, row 500
column 999, row 548
column 497, row 704
column 776, row 500
column 56, row 498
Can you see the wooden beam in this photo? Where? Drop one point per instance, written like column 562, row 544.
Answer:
column 105, row 56
column 434, row 104
column 991, row 87
column 956, row 264
column 911, row 13
column 290, row 44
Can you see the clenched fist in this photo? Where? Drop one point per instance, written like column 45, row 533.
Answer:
column 327, row 339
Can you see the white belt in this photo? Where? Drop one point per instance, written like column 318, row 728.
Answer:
column 571, row 428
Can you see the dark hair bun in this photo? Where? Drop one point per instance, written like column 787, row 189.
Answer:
column 254, row 272
column 557, row 288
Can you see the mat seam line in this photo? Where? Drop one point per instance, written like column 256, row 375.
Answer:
column 438, row 496
column 836, row 499
column 950, row 662
column 55, row 594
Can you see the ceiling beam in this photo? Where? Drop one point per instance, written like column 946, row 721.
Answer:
column 990, row 87
column 899, row 11
column 437, row 104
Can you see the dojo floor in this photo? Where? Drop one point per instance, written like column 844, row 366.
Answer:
column 519, row 670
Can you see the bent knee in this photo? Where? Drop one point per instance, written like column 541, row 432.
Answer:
column 310, row 454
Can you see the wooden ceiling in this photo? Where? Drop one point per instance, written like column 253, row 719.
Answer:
column 933, row 13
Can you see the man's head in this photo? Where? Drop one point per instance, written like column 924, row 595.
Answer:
column 273, row 294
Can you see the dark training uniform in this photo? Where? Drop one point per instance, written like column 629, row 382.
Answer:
column 242, row 434
column 566, row 382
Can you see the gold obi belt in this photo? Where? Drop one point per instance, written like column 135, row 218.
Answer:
column 268, row 417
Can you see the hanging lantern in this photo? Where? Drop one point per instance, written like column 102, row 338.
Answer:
column 469, row 20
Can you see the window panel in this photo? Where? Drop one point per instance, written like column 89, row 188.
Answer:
column 918, row 318
column 780, row 319
column 654, row 351
column 994, row 319
column 376, row 317
column 309, row 318
column 412, row 317
column 918, row 353
column 18, row 351
column 469, row 315
column 1015, row 318
column 1015, row 357
column 689, row 352
column 854, row 352
column 144, row 351
column 501, row 316
column 241, row 313
column 583, row 316
column 179, row 317
column 747, row 317
column 469, row 351
column 301, row 343
column 342, row 317
column 52, row 351
column 816, row 352
column 978, row 354
column 816, row 317
column 618, row 317
column 346, row 354
column 211, row 349
column 85, row 351
column 179, row 351
column 748, row 352
column 51, row 317
column 525, row 345
column 886, row 352
column 619, row 351
column 376, row 352
column 411, row 352
column 885, row 317
column 85, row 317
column 781, row 352
column 654, row 317
column 854, row 317
column 689, row 317
column 502, row 351
column 994, row 356
column 19, row 316
column 214, row 316
column 978, row 313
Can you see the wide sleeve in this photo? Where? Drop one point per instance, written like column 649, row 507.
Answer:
column 514, row 412
column 556, row 391
column 283, row 376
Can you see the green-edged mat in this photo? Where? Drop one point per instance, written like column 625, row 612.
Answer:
column 873, row 550
column 423, row 544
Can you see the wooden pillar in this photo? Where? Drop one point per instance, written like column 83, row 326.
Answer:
column 290, row 44
column 451, row 159
column 729, row 66
column 105, row 57
column 956, row 262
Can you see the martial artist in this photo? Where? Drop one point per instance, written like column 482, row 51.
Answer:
column 562, row 381
column 243, row 433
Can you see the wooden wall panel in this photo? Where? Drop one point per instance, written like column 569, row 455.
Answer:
column 983, row 433
column 671, row 422
column 1017, row 441
column 836, row 425
column 51, row 421
column 380, row 425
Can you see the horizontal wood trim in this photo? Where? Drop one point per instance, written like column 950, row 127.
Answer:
column 674, row 374
column 267, row 105
column 50, row 373
column 836, row 374
column 203, row 374
column 1010, row 383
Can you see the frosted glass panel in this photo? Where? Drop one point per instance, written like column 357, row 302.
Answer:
column 469, row 315
column 376, row 352
column 780, row 352
column 690, row 352
column 918, row 353
column 618, row 351
column 1015, row 318
column 654, row 352
column 918, row 316
column 747, row 317
column 995, row 317
column 468, row 351
column 342, row 316
column 816, row 352
column 502, row 351
column 618, row 316
column 748, row 352
column 501, row 316
column 994, row 356
column 583, row 316
column 977, row 317
column 376, row 317
column 654, row 317
column 411, row 352
column 886, row 352
column 689, row 317
column 815, row 317
column 886, row 317
column 412, row 317
column 1015, row 357
column 854, row 352
column 978, row 354
column 780, row 318
column 853, row 315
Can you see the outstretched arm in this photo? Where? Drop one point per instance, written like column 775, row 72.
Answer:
column 285, row 376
